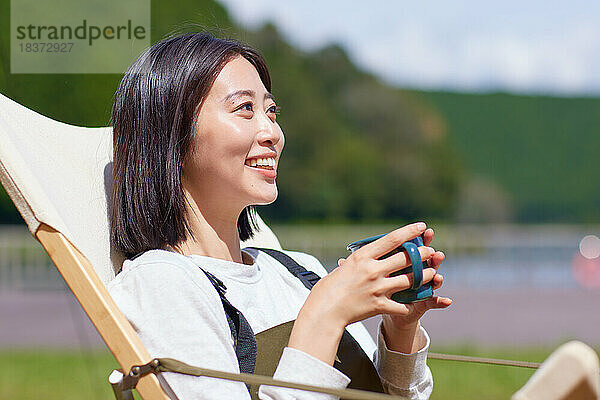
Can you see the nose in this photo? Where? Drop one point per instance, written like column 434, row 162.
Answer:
column 269, row 133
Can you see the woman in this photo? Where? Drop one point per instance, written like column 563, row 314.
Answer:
column 196, row 146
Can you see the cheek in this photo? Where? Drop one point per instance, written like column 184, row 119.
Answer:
column 222, row 140
column 281, row 143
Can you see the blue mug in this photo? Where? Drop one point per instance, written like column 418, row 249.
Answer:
column 418, row 291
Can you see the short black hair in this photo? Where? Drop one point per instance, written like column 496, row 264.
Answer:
column 153, row 119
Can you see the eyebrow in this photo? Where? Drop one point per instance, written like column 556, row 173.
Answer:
column 249, row 93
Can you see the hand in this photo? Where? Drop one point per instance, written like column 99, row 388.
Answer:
column 359, row 288
column 401, row 329
column 362, row 280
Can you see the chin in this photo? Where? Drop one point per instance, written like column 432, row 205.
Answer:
column 265, row 202
column 267, row 199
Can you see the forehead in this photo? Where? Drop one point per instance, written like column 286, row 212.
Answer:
column 237, row 74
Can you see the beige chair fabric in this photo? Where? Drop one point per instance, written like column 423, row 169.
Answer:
column 59, row 174
column 571, row 372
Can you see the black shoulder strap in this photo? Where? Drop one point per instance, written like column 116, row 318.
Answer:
column 308, row 278
column 243, row 336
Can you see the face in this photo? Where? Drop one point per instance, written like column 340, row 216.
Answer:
column 238, row 141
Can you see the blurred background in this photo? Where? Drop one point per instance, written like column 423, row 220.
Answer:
column 480, row 118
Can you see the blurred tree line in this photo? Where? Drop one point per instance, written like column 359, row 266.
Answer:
column 356, row 149
column 540, row 155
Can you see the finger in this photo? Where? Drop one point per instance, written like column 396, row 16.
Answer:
column 402, row 282
column 428, row 236
column 438, row 302
column 437, row 281
column 392, row 240
column 429, row 274
column 436, row 259
column 340, row 261
column 394, row 308
column 400, row 261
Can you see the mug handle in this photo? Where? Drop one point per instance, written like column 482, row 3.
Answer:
column 417, row 264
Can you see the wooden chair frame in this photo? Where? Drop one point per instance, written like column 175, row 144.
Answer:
column 115, row 329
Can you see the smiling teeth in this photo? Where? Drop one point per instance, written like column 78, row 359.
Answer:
column 262, row 162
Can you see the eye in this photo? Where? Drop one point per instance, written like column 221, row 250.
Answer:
column 274, row 109
column 246, row 107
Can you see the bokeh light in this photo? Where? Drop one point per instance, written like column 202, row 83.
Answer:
column 586, row 262
column 589, row 247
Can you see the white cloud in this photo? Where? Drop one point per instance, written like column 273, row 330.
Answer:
column 532, row 47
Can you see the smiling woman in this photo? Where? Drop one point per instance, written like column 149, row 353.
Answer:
column 151, row 145
column 221, row 167
column 196, row 147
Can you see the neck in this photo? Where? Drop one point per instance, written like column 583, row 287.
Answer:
column 215, row 232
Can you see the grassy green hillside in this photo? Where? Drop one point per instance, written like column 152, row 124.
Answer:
column 544, row 151
column 356, row 149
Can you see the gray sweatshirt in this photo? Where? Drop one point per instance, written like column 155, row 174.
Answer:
column 177, row 313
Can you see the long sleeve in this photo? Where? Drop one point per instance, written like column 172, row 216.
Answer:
column 178, row 314
column 297, row 366
column 178, row 317
column 404, row 374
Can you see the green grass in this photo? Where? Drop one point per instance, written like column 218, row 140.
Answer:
column 55, row 374
column 459, row 380
column 71, row 374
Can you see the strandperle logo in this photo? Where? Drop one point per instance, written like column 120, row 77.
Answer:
column 84, row 31
column 77, row 37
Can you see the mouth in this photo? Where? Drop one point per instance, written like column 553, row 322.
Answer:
column 264, row 166
column 262, row 163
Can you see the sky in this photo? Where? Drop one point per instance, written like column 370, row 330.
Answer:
column 527, row 47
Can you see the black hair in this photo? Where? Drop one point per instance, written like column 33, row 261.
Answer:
column 153, row 119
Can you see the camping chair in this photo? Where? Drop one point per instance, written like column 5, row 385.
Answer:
column 59, row 176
